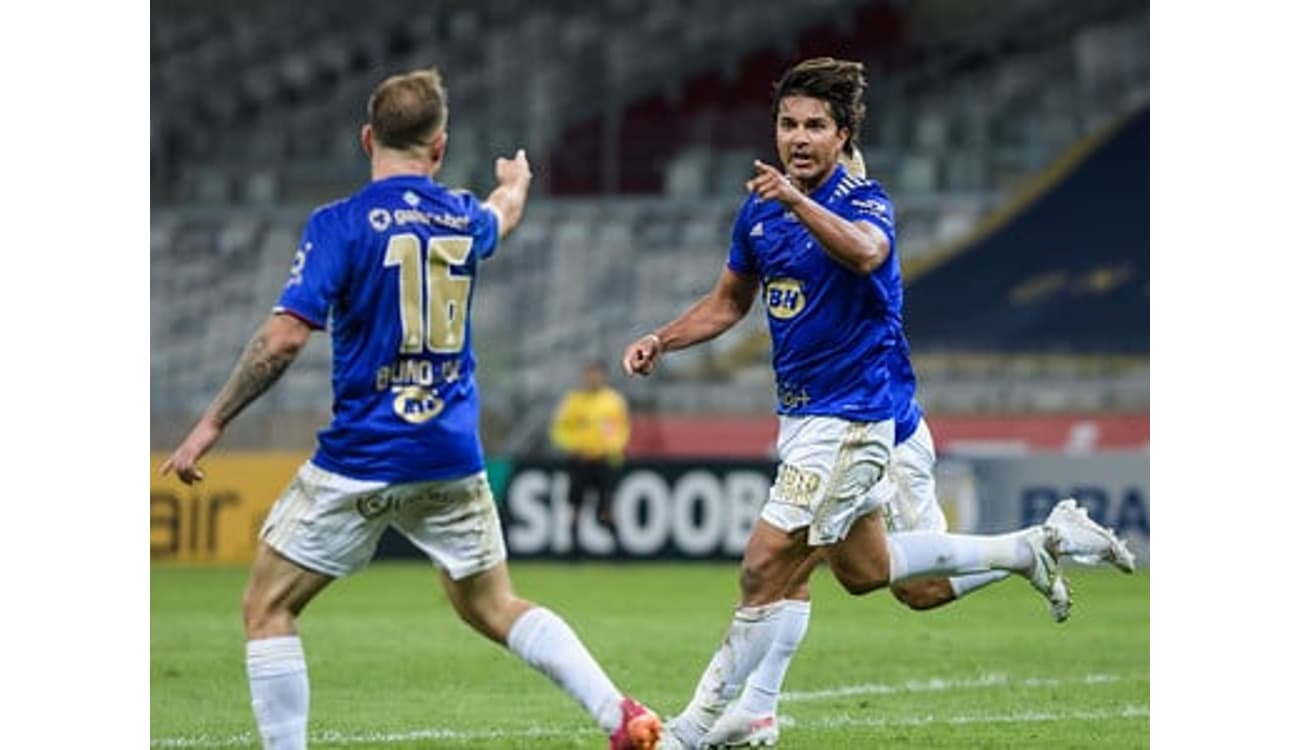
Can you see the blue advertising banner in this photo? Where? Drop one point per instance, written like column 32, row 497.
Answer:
column 1114, row 487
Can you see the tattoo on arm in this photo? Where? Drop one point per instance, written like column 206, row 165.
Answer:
column 255, row 372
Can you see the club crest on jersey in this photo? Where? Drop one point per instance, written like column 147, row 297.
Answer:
column 415, row 404
column 785, row 298
column 380, row 219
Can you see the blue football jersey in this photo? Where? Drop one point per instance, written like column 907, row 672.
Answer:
column 902, row 378
column 832, row 329
column 392, row 269
column 902, row 382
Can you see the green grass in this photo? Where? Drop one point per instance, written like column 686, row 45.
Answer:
column 392, row 667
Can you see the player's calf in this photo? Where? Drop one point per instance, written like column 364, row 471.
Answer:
column 486, row 602
column 925, row 593
column 860, row 561
column 856, row 583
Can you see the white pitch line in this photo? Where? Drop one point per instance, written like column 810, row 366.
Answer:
column 1127, row 712
column 338, row 738
column 937, row 684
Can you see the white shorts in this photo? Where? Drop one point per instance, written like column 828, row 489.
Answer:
column 331, row 524
column 827, row 467
column 908, row 489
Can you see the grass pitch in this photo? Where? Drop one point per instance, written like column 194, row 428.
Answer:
column 392, row 667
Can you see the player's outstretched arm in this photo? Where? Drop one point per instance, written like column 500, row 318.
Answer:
column 715, row 312
column 268, row 354
column 514, row 176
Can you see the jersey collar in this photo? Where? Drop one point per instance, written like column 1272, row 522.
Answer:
column 823, row 192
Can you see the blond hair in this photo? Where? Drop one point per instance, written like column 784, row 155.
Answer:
column 854, row 164
column 407, row 110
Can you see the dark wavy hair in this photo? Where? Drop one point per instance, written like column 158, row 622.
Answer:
column 840, row 83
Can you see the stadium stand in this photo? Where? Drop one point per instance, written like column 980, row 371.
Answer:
column 1070, row 272
column 629, row 222
column 283, row 85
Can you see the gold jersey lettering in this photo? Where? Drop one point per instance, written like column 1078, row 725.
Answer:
column 796, row 486
column 404, row 372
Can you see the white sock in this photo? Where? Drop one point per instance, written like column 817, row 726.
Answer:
column 550, row 646
column 277, row 679
column 914, row 554
column 764, row 685
column 748, row 639
column 963, row 585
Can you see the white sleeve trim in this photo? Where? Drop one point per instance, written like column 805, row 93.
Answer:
column 495, row 212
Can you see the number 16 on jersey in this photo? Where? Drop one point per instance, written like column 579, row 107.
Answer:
column 441, row 325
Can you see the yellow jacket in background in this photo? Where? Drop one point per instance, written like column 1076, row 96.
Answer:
column 592, row 424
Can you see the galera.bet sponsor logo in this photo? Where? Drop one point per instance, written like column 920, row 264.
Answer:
column 381, row 219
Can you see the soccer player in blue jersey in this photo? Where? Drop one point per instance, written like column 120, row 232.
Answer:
column 819, row 244
column 910, row 503
column 392, row 269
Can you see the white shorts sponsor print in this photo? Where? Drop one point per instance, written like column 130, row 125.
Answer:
column 331, row 524
column 908, row 488
column 828, row 465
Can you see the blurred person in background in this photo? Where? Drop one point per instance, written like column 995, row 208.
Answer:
column 819, row 244
column 392, row 270
column 590, row 427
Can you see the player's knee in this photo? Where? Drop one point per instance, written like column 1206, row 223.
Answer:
column 751, row 576
column 757, row 575
column 772, row 559
column 263, row 618
column 798, row 590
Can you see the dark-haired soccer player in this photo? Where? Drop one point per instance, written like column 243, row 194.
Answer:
column 392, row 269
column 911, row 503
column 819, row 244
